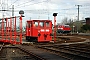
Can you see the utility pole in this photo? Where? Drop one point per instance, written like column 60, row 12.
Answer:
column 48, row 15
column 78, row 10
column 2, row 4
column 12, row 10
column 13, row 16
column 78, row 16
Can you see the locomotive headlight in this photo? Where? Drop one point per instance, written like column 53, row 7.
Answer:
column 47, row 30
column 61, row 28
column 42, row 30
column 58, row 28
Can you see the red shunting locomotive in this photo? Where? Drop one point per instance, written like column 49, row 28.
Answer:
column 64, row 29
column 39, row 30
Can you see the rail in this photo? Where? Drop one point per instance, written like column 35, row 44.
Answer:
column 30, row 53
column 69, row 52
column 1, row 46
column 14, row 51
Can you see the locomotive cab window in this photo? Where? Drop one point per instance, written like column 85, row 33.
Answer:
column 41, row 24
column 67, row 26
column 36, row 24
column 28, row 25
column 47, row 24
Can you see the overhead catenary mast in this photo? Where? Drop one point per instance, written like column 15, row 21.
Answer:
column 78, row 16
column 13, row 16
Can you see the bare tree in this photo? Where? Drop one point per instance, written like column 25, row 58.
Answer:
column 64, row 21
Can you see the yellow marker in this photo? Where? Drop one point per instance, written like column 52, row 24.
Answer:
column 65, row 41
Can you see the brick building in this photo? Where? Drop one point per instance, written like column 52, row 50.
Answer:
column 87, row 20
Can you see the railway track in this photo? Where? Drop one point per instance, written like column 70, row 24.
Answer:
column 70, row 52
column 30, row 53
column 17, row 53
column 1, row 45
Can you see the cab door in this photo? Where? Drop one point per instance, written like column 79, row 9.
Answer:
column 41, row 31
column 48, row 30
column 28, row 28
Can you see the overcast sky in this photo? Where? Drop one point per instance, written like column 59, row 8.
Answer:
column 44, row 9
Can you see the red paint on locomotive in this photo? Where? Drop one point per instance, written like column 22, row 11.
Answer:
column 64, row 29
column 39, row 30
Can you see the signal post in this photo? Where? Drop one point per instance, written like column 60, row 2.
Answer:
column 55, row 14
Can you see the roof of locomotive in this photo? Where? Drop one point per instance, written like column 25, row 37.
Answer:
column 63, row 25
column 37, row 20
